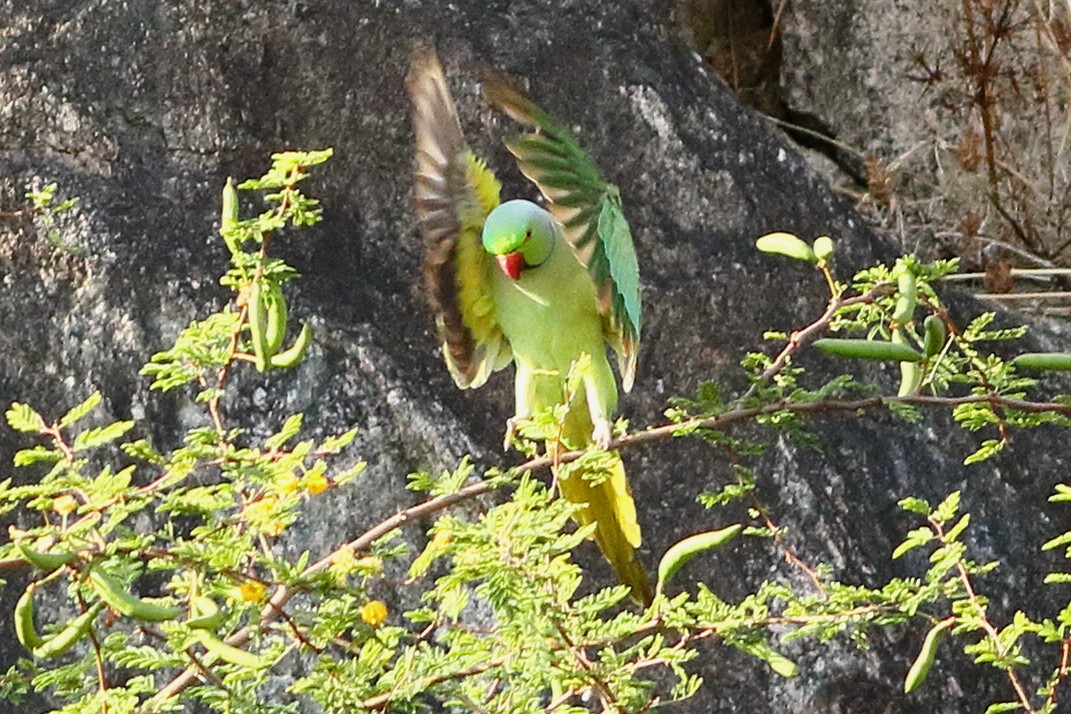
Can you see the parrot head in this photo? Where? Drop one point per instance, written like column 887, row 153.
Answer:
column 520, row 235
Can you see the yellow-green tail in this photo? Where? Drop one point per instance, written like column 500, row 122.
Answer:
column 610, row 506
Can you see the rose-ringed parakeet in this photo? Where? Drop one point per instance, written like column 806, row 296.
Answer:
column 541, row 287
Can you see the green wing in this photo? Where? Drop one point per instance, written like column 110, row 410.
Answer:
column 589, row 208
column 454, row 193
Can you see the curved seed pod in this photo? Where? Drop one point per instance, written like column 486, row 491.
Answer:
column 910, row 371
column 258, row 325
column 907, row 299
column 43, row 561
column 275, row 324
column 228, row 218
column 868, row 349
column 935, row 332
column 66, row 638
column 823, row 248
column 228, row 653
column 684, row 550
column 25, row 630
column 782, row 665
column 206, row 614
column 1053, row 361
column 786, row 244
column 293, row 355
column 922, row 664
column 127, row 604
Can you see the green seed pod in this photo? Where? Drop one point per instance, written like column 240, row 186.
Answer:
column 258, row 325
column 921, row 667
column 907, row 298
column 66, row 638
column 786, row 244
column 910, row 370
column 228, row 219
column 127, row 604
column 206, row 614
column 1052, row 361
column 293, row 355
column 682, row 551
column 823, row 248
column 868, row 349
column 275, row 307
column 25, row 630
column 782, row 665
column 46, row 562
column 228, row 653
column 935, row 332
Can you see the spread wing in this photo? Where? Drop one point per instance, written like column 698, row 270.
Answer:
column 454, row 193
column 589, row 208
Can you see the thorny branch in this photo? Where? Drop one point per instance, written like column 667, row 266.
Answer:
column 990, row 630
column 283, row 593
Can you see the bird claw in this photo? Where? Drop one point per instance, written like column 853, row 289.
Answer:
column 511, row 432
column 602, row 434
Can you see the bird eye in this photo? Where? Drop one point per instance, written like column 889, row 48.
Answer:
column 528, row 234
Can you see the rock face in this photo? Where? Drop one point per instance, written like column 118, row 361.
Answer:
column 852, row 67
column 142, row 108
column 952, row 103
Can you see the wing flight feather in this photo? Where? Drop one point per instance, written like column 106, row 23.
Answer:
column 454, row 193
column 588, row 208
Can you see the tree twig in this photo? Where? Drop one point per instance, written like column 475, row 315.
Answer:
column 283, row 594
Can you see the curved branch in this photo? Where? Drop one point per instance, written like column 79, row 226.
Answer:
column 283, row 594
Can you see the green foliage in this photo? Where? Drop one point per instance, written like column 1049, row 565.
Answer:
column 181, row 547
column 231, row 498
column 46, row 212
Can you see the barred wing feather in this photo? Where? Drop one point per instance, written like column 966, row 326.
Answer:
column 588, row 208
column 455, row 191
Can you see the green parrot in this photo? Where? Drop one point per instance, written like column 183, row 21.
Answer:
column 544, row 288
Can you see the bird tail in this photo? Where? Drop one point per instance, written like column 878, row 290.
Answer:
column 607, row 502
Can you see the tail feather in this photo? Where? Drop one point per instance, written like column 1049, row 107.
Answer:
column 609, row 505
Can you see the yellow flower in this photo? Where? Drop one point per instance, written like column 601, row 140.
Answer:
column 344, row 559
column 252, row 591
column 288, row 483
column 261, row 517
column 260, row 509
column 374, row 612
column 343, row 564
column 442, row 539
column 64, row 505
column 317, row 484
column 370, row 565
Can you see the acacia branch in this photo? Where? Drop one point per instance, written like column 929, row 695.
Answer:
column 991, row 631
column 284, row 593
column 382, row 701
column 1065, row 653
column 800, row 338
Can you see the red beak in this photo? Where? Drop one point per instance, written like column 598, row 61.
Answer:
column 511, row 264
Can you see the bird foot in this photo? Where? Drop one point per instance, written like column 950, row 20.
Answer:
column 602, row 434
column 511, row 432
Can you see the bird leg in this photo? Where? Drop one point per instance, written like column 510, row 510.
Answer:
column 511, row 433
column 603, row 433
column 599, row 409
